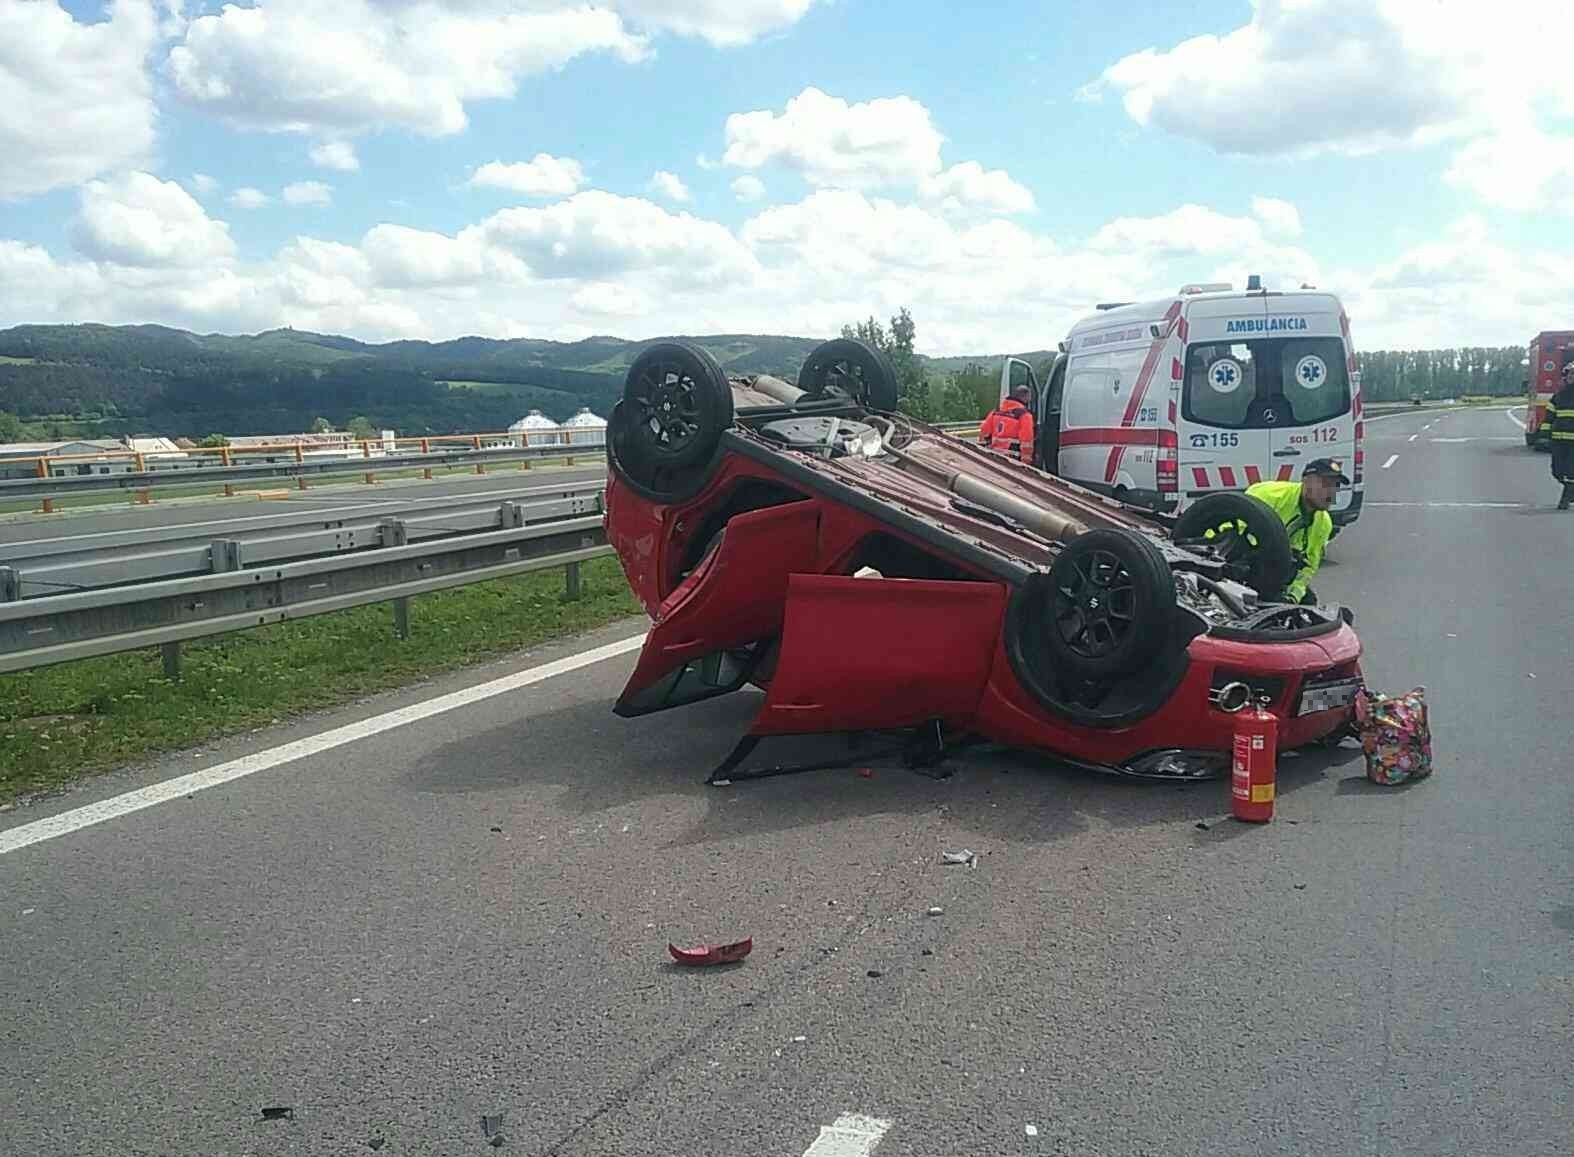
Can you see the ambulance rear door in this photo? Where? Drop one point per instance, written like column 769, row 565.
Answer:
column 1229, row 400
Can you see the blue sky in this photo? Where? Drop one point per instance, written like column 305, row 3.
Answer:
column 998, row 170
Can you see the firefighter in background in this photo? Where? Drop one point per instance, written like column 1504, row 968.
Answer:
column 1560, row 419
column 1304, row 507
column 1008, row 429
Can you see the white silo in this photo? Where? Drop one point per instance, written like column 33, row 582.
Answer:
column 537, row 430
column 585, row 429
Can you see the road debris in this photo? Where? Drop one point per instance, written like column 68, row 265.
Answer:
column 927, row 952
column 496, row 829
column 702, row 954
column 866, row 773
column 874, row 974
column 1202, row 826
column 1031, row 1130
column 491, row 1125
column 278, row 1113
column 937, row 911
column 965, row 856
column 376, row 1143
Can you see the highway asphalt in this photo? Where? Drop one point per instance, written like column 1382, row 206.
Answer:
column 338, row 500
column 468, row 916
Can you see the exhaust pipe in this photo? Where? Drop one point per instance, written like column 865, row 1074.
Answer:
column 1233, row 697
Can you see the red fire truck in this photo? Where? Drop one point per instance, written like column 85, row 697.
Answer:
column 1550, row 350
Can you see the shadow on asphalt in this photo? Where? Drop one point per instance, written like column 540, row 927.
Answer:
column 603, row 763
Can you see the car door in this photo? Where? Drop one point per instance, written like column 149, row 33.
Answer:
column 1231, row 399
column 1047, row 451
column 866, row 654
column 1319, row 421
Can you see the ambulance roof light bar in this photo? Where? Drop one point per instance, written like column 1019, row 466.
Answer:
column 1206, row 287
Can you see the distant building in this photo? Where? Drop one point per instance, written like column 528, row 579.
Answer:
column 85, row 456
column 585, row 429
column 538, row 430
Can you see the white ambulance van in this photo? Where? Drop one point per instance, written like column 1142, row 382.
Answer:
column 1213, row 389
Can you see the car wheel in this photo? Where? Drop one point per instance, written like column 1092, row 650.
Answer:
column 851, row 367
column 1112, row 597
column 676, row 404
column 1248, row 534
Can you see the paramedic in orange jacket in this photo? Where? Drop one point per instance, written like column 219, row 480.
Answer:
column 1009, row 429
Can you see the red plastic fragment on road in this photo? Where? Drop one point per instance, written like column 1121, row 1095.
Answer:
column 712, row 953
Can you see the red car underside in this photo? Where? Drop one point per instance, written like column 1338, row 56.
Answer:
column 773, row 601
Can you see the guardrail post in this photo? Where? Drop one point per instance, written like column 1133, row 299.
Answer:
column 571, row 581
column 224, row 555
column 402, row 618
column 510, row 516
column 371, row 478
column 10, row 585
column 49, row 505
column 171, row 653
column 142, row 497
column 392, row 532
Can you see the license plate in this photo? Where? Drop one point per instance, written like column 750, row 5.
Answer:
column 1328, row 696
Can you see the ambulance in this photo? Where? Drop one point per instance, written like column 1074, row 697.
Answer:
column 1161, row 403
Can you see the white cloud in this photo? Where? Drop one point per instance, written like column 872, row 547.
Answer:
column 890, row 141
column 670, row 186
column 139, row 220
column 249, row 198
column 596, row 234
column 542, row 176
column 748, row 188
column 1521, row 169
column 356, row 65
column 307, row 193
column 970, row 186
column 1303, row 76
column 722, row 22
column 1278, row 216
column 75, row 98
column 337, row 155
column 403, row 257
column 203, row 185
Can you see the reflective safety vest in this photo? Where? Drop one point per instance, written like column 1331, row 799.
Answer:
column 1309, row 530
column 1009, row 430
column 1560, row 415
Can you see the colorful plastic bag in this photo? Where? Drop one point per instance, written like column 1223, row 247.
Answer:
column 1396, row 735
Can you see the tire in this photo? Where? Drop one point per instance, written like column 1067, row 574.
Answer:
column 851, row 367
column 1112, row 598
column 1254, row 540
column 676, row 405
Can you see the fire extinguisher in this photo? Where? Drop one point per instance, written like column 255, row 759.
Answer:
column 1252, row 773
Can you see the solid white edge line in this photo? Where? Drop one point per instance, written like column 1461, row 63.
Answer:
column 65, row 823
column 1392, row 458
column 1516, row 421
column 850, row 1136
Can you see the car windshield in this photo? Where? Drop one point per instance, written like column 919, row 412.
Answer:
column 1261, row 384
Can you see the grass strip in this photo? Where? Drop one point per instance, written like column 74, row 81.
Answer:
column 58, row 724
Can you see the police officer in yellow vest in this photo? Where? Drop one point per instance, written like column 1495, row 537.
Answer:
column 1304, row 507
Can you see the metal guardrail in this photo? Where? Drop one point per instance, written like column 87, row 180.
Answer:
column 54, row 566
column 58, row 629
column 147, row 479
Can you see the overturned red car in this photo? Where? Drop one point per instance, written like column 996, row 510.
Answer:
column 872, row 573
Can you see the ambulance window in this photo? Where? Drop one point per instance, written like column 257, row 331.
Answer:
column 1221, row 382
column 1089, row 396
column 1315, row 382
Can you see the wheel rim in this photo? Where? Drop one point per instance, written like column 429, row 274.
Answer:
column 847, row 375
column 1237, row 547
column 1096, row 605
column 667, row 400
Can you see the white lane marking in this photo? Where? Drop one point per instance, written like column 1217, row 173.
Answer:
column 1457, row 505
column 1516, row 421
column 1391, row 460
column 1437, row 441
column 1413, row 437
column 850, row 1136
column 96, row 813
